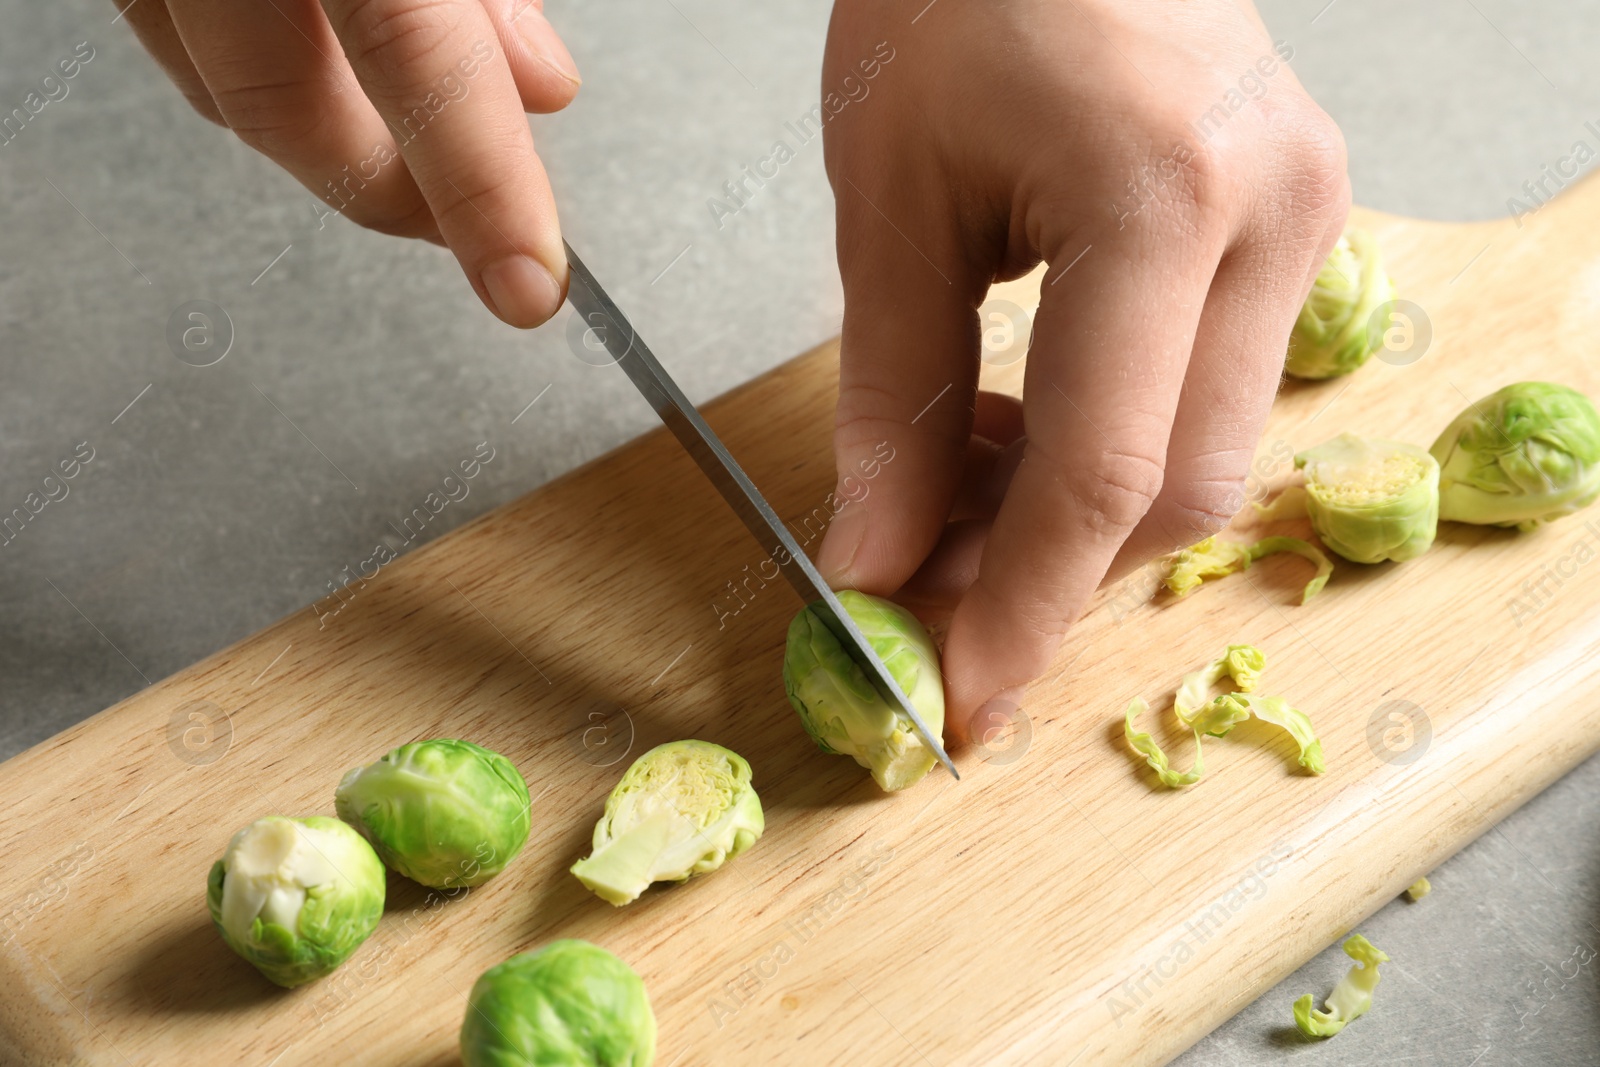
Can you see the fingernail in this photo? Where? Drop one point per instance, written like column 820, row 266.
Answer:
column 546, row 44
column 521, row 291
column 838, row 552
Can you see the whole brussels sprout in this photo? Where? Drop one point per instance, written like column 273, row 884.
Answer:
column 444, row 813
column 570, row 1004
column 840, row 707
column 1332, row 336
column 1521, row 456
column 296, row 897
column 682, row 809
column 1371, row 500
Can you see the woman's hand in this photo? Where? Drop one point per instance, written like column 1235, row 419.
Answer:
column 407, row 116
column 1164, row 162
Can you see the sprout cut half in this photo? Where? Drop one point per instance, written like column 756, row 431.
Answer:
column 1371, row 500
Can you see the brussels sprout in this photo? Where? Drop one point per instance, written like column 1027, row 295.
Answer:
column 682, row 809
column 570, row 1004
column 1418, row 889
column 1216, row 558
column 841, row 708
column 1335, row 333
column 1371, row 500
column 1521, row 456
column 444, row 813
column 296, row 897
column 1350, row 999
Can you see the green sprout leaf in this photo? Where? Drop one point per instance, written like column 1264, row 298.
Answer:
column 1418, row 889
column 1146, row 746
column 1227, row 711
column 570, row 1004
column 443, row 813
column 296, row 897
column 1371, row 500
column 1216, row 558
column 1335, row 332
column 1521, row 456
column 682, row 809
column 1350, row 999
column 840, row 708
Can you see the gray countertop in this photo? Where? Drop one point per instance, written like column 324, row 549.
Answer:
column 224, row 497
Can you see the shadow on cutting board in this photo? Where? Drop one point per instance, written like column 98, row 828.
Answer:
column 188, row 968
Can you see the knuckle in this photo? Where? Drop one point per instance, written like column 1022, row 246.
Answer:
column 1114, row 491
column 397, row 42
column 269, row 116
column 1316, row 177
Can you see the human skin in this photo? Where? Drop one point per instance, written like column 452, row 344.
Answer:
column 1003, row 133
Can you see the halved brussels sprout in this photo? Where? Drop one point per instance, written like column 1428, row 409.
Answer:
column 570, row 1004
column 444, row 813
column 1371, row 500
column 843, row 710
column 1334, row 333
column 1521, row 456
column 296, row 897
column 682, row 809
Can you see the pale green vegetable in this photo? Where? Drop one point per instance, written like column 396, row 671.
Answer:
column 296, row 897
column 1371, row 500
column 570, row 1004
column 1222, row 714
column 1146, row 746
column 1216, row 716
column 1418, row 889
column 1215, row 558
column 1335, row 332
column 1521, row 456
column 1350, row 998
column 843, row 710
column 444, row 813
column 682, row 809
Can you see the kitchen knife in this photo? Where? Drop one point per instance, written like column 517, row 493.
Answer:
column 604, row 319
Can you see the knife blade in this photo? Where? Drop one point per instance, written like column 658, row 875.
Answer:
column 602, row 317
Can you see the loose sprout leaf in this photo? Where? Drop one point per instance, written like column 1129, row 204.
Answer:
column 1146, row 746
column 1352, row 996
column 1236, row 707
column 840, row 708
column 1523, row 455
column 1215, row 558
column 570, row 1004
column 681, row 809
column 1241, row 663
column 1335, row 332
column 1371, row 500
column 1289, row 504
column 1418, row 889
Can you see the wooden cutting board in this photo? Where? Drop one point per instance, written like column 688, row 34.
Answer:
column 1051, row 908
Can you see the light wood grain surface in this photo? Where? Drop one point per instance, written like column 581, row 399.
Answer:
column 1048, row 906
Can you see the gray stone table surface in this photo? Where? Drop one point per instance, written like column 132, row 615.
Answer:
column 361, row 367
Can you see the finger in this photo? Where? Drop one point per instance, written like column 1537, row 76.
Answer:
column 1232, row 378
column 908, row 373
column 1239, row 348
column 997, row 416
column 152, row 24
column 949, row 571
column 473, row 159
column 546, row 76
column 1101, row 389
column 283, row 86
